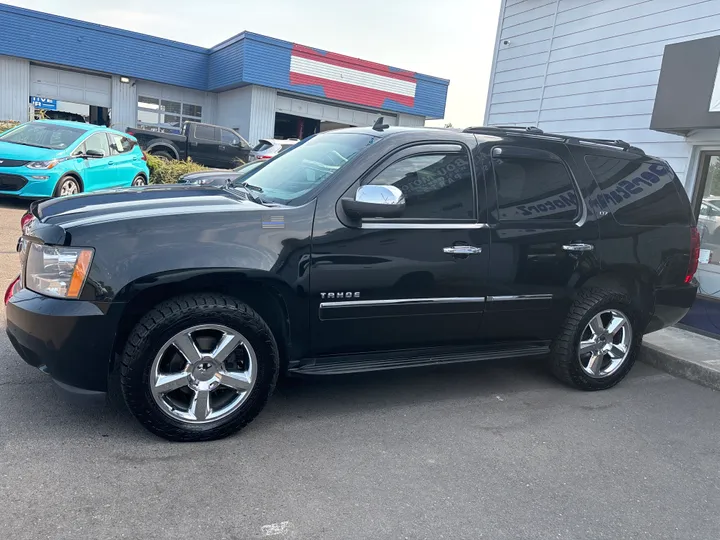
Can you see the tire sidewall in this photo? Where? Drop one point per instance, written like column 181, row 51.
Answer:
column 144, row 181
column 58, row 187
column 609, row 300
column 136, row 379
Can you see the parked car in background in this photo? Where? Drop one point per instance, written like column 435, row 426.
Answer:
column 357, row 250
column 219, row 178
column 269, row 148
column 50, row 158
column 709, row 220
column 212, row 146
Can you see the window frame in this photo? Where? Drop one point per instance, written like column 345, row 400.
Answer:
column 112, row 145
column 416, row 150
column 93, row 134
column 215, row 128
column 160, row 111
column 526, row 153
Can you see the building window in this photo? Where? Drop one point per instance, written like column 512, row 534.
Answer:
column 166, row 115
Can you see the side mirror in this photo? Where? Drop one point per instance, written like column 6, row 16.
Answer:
column 94, row 154
column 375, row 201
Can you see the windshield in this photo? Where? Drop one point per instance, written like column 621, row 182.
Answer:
column 262, row 145
column 246, row 169
column 305, row 166
column 43, row 135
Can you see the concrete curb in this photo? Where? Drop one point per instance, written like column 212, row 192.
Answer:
column 684, row 354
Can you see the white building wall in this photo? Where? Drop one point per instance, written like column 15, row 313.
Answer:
column 262, row 114
column 123, row 109
column 233, row 110
column 591, row 67
column 14, row 89
column 208, row 100
column 410, row 120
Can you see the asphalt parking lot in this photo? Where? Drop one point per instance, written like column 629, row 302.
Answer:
column 493, row 450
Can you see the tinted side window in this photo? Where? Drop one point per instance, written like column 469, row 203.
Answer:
column 206, row 133
column 436, row 186
column 534, row 190
column 98, row 141
column 228, row 137
column 637, row 191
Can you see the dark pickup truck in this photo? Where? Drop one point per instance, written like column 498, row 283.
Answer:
column 355, row 250
column 212, row 146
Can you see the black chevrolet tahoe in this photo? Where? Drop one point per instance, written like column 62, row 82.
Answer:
column 356, row 250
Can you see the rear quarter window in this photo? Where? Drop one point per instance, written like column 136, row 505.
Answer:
column 639, row 191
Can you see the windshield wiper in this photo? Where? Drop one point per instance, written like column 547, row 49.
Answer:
column 250, row 195
column 250, row 186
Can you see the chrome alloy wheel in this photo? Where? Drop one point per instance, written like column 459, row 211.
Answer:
column 203, row 373
column 68, row 187
column 605, row 343
column 139, row 181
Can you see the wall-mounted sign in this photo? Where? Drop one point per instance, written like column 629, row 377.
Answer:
column 43, row 103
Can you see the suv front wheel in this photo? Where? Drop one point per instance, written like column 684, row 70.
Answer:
column 200, row 367
column 599, row 341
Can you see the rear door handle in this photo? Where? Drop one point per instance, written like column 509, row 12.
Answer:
column 578, row 247
column 111, row 162
column 462, row 250
column 221, row 147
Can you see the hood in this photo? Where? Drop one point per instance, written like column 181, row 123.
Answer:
column 139, row 203
column 20, row 152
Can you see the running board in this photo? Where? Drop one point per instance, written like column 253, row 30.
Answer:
column 356, row 363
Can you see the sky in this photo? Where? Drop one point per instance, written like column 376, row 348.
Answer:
column 451, row 39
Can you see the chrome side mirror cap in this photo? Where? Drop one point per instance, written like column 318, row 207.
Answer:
column 375, row 201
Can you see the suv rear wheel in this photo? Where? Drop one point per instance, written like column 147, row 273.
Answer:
column 599, row 341
column 199, row 367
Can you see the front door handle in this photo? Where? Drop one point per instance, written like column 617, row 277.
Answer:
column 221, row 147
column 111, row 163
column 462, row 250
column 578, row 247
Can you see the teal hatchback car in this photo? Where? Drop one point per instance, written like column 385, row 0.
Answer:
column 52, row 158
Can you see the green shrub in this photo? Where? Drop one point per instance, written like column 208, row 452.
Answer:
column 7, row 124
column 167, row 171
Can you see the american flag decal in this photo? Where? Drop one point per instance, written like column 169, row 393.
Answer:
column 350, row 79
column 273, row 222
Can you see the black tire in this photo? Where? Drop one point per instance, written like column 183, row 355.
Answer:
column 65, row 180
column 138, row 181
column 564, row 358
column 162, row 154
column 176, row 315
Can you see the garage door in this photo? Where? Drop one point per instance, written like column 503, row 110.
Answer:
column 72, row 86
column 330, row 113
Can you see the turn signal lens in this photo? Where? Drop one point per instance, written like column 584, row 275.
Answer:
column 25, row 220
column 12, row 289
column 82, row 266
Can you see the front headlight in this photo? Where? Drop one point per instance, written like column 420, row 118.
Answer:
column 42, row 164
column 57, row 271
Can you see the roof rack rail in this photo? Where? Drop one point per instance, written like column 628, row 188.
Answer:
column 532, row 130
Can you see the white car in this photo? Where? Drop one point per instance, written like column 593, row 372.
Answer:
column 269, row 148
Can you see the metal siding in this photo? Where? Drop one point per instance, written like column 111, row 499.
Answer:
column 267, row 63
column 410, row 120
column 14, row 89
column 71, row 86
column 123, row 111
column 243, row 59
column 58, row 40
column 262, row 114
column 226, row 65
column 602, row 71
column 233, row 110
